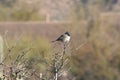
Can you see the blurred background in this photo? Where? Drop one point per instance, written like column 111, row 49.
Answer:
column 93, row 22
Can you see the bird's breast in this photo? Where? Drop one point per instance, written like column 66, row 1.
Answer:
column 67, row 39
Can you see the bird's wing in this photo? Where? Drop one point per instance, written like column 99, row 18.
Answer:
column 60, row 38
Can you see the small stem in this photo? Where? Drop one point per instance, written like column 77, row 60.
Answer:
column 56, row 75
column 64, row 48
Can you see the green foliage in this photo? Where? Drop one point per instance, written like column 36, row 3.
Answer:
column 19, row 12
column 7, row 3
column 87, row 65
column 25, row 14
column 40, row 48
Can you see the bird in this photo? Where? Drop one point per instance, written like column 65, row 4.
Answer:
column 64, row 38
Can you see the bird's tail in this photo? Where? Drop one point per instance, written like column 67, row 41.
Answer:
column 53, row 41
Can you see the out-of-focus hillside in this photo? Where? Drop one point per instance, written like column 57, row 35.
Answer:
column 53, row 10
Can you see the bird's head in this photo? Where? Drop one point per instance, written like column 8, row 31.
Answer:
column 67, row 33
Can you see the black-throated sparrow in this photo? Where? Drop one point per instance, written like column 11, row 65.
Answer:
column 65, row 38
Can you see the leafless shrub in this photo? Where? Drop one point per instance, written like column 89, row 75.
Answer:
column 21, row 68
column 17, row 68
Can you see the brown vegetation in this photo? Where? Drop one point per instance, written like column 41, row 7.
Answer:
column 94, row 50
column 97, row 59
